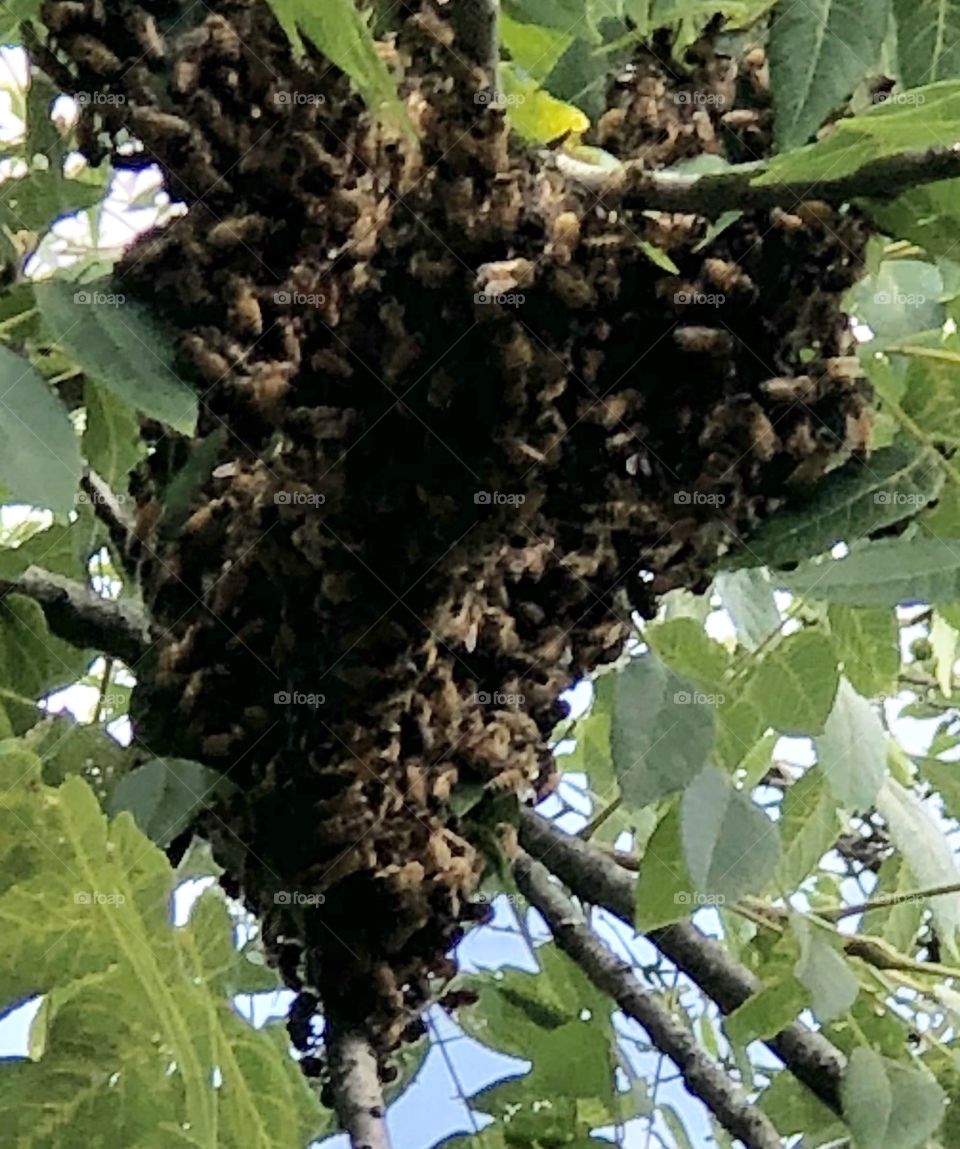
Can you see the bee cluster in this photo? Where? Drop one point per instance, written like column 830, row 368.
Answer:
column 464, row 427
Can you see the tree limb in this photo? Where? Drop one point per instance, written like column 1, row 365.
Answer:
column 713, row 193
column 355, row 1085
column 476, row 23
column 77, row 615
column 110, row 510
column 597, row 879
column 704, row 1078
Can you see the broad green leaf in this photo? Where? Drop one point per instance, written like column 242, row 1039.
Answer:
column 852, row 751
column 67, row 747
column 930, row 397
column 684, row 646
column 926, row 216
column 889, row 1103
column 944, row 640
column 730, row 846
column 794, row 1108
column 945, row 778
column 536, row 115
column 823, row 970
column 747, row 596
column 810, row 824
column 850, row 503
column 120, row 346
column 39, row 456
column 111, row 438
column 534, row 47
column 796, row 683
column 896, row 924
column 901, row 297
column 926, row 850
column 163, row 795
column 928, row 40
column 930, row 119
column 884, row 573
column 766, row 1012
column 665, row 891
column 819, row 52
column 867, row 644
column 661, row 731
column 341, row 34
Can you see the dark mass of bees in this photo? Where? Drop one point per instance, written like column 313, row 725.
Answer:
column 420, row 515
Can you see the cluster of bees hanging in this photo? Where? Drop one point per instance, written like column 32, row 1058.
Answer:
column 456, row 426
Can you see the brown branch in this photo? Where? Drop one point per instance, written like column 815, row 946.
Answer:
column 703, row 1077
column 597, row 879
column 355, row 1085
column 77, row 615
column 476, row 24
column 713, row 193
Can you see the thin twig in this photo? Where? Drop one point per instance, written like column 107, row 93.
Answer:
column 595, row 878
column 703, row 1077
column 77, row 615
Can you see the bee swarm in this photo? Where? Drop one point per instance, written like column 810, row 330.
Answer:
column 465, row 414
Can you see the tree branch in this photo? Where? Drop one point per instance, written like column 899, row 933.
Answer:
column 597, row 879
column 476, row 23
column 75, row 614
column 704, row 1078
column 355, row 1085
column 110, row 510
column 713, row 193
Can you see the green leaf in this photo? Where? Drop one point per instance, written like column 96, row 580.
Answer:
column 889, row 1103
column 819, row 52
column 901, row 297
column 341, row 34
column 661, row 731
column 796, row 683
column 747, row 596
column 926, row 216
column 928, row 40
column 931, row 117
column 852, row 751
column 684, row 646
column 850, row 503
column 664, row 887
column 117, row 343
column 810, row 825
column 794, row 1108
column 111, row 438
column 823, row 970
column 766, row 1012
column 536, row 115
column 884, row 573
column 867, row 644
column 533, row 47
column 896, row 924
column 39, row 456
column 163, row 795
column 926, row 850
column 730, row 846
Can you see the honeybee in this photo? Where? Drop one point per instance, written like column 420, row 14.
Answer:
column 727, row 276
column 244, row 310
column 92, row 54
column 703, row 340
